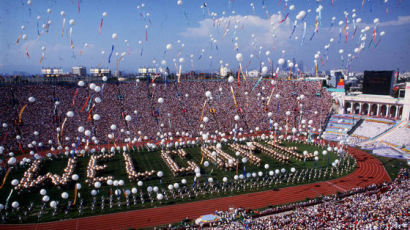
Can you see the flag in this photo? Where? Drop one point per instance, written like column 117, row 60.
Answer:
column 75, row 195
column 193, row 184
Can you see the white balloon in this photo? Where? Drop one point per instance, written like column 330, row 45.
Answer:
column 168, row 46
column 14, row 182
column 149, row 189
column 104, row 14
column 70, row 114
column 15, row 204
column 301, row 15
column 281, row 61
column 128, row 118
column 231, row 79
column 45, row 198
column 179, row 2
column 290, row 64
column 71, row 22
column 291, row 7
column 264, row 70
column 97, row 184
column 239, row 57
column 114, row 36
column 74, row 177
column 205, row 119
column 87, row 133
column 53, row 204
column 96, row 117
column 43, row 192
column 134, row 190
column 64, row 195
column 31, row 99
column 160, row 100
column 12, row 161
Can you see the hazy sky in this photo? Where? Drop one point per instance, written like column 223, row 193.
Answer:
column 203, row 33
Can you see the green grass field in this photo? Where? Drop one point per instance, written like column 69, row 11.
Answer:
column 142, row 161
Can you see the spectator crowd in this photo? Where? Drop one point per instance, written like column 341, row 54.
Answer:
column 133, row 112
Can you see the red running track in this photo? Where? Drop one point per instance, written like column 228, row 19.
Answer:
column 369, row 171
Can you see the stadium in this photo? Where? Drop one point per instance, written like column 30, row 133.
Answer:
column 259, row 144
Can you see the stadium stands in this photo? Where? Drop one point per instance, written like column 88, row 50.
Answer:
column 179, row 114
column 338, row 126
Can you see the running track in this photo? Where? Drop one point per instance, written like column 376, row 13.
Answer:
column 369, row 171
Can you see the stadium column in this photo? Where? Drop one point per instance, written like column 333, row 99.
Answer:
column 360, row 108
column 396, row 116
column 388, row 110
column 369, row 109
column 378, row 110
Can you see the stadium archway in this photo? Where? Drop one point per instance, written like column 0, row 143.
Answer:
column 356, row 108
column 383, row 111
column 392, row 112
column 400, row 113
column 365, row 109
column 348, row 105
column 373, row 109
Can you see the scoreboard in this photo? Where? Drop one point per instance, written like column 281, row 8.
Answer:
column 378, row 82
